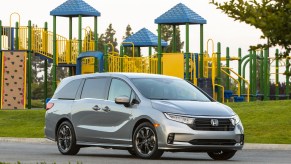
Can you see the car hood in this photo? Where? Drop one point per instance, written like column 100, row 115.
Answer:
column 194, row 108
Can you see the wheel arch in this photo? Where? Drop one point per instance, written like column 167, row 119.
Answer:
column 140, row 121
column 59, row 123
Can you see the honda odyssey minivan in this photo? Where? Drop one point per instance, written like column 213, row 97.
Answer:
column 146, row 114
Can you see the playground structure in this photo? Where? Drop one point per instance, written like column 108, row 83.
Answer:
column 81, row 56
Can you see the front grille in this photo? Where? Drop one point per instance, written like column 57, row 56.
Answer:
column 212, row 142
column 204, row 124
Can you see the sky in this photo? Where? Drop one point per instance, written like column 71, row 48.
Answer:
column 141, row 14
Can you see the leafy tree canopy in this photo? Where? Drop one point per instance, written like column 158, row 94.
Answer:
column 272, row 17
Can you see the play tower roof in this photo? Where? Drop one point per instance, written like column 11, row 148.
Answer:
column 180, row 14
column 74, row 8
column 143, row 38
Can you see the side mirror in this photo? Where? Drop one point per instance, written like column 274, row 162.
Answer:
column 122, row 100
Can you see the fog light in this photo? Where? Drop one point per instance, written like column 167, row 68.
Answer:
column 171, row 138
column 242, row 139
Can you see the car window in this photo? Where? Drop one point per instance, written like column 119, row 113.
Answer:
column 168, row 89
column 118, row 88
column 94, row 88
column 69, row 90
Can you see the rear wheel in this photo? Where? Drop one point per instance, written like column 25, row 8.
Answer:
column 66, row 139
column 222, row 155
column 145, row 142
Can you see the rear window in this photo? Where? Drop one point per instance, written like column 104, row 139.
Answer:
column 69, row 91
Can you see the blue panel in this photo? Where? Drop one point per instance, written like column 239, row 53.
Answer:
column 180, row 14
column 75, row 8
column 143, row 38
column 96, row 54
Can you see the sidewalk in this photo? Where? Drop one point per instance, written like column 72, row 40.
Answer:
column 247, row 146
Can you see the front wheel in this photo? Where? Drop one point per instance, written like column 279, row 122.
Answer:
column 222, row 155
column 145, row 142
column 66, row 139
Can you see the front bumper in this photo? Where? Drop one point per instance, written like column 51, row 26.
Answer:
column 187, row 139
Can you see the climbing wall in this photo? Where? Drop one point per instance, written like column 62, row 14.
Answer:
column 13, row 80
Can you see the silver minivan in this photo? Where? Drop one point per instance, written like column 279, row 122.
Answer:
column 146, row 114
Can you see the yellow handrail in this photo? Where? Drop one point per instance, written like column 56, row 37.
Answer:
column 222, row 87
column 248, row 91
column 238, row 90
column 132, row 46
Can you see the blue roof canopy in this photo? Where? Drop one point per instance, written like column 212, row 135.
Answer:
column 143, row 38
column 74, row 8
column 180, row 14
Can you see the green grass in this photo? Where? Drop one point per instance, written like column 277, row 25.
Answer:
column 264, row 122
column 22, row 123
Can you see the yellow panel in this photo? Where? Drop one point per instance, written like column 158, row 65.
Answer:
column 87, row 65
column 173, row 65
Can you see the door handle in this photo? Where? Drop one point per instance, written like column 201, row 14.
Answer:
column 96, row 108
column 106, row 109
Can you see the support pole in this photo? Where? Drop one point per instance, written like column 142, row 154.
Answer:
column 254, row 75
column 16, row 36
column 95, row 33
column 159, row 49
column 121, row 55
column 251, row 74
column 218, row 77
column 150, row 57
column 138, row 52
column 261, row 72
column 239, row 70
column 80, row 34
column 54, row 53
column 277, row 75
column 244, row 75
column 227, row 65
column 266, row 78
column 45, row 69
column 70, row 42
column 187, row 52
column 201, row 52
column 29, row 69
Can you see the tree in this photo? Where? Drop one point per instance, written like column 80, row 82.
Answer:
column 167, row 35
column 109, row 38
column 272, row 17
column 128, row 32
column 179, row 43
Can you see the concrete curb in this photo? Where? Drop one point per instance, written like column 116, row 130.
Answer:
column 247, row 146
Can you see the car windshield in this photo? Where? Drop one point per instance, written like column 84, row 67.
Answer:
column 168, row 89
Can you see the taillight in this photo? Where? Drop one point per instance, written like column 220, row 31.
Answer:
column 49, row 105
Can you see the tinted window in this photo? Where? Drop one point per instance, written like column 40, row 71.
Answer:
column 118, row 88
column 168, row 89
column 94, row 88
column 69, row 90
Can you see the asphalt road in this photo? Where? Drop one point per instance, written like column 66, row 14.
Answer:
column 33, row 153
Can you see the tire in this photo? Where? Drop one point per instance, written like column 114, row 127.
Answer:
column 222, row 155
column 131, row 151
column 66, row 139
column 145, row 142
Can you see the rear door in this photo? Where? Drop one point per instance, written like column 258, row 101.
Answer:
column 87, row 114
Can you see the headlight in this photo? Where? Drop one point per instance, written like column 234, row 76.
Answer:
column 178, row 118
column 235, row 120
